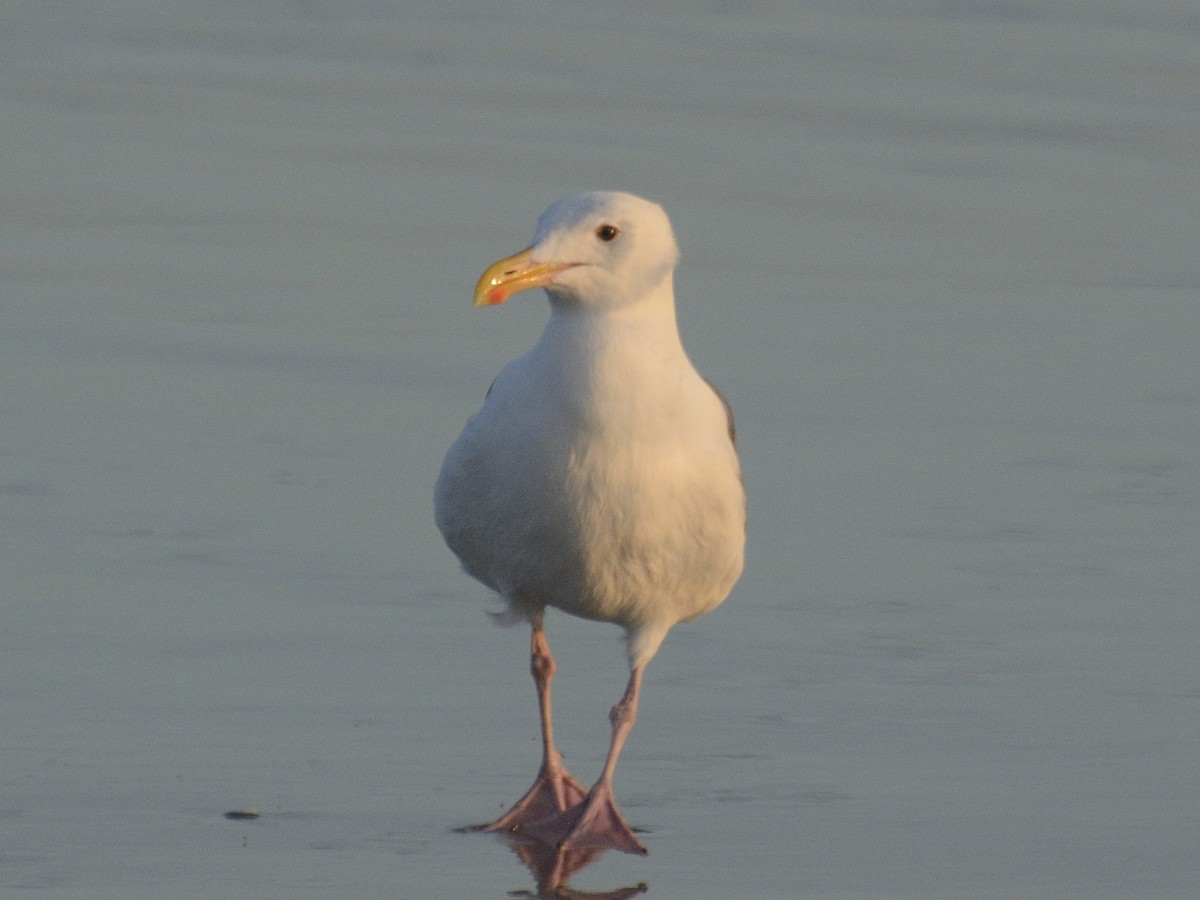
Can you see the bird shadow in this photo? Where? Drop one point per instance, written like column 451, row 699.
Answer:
column 552, row 867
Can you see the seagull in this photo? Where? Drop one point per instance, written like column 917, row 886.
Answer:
column 599, row 478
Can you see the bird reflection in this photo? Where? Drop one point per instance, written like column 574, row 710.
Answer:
column 551, row 868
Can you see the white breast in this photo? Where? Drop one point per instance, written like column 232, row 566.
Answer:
column 599, row 478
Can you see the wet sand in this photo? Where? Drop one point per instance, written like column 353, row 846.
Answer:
column 943, row 265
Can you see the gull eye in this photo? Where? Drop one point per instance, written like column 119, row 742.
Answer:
column 607, row 233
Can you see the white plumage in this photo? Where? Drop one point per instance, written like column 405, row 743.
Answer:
column 600, row 476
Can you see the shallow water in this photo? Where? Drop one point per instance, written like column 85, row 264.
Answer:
column 943, row 264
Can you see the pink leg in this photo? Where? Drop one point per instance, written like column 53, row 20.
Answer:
column 596, row 822
column 554, row 790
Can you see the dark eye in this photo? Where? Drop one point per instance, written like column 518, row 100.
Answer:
column 607, row 233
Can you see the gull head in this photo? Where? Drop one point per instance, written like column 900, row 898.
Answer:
column 598, row 250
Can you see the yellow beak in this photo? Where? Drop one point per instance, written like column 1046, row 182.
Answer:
column 512, row 275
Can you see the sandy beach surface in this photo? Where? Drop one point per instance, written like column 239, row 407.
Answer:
column 941, row 257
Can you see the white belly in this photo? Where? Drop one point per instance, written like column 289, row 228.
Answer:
column 590, row 521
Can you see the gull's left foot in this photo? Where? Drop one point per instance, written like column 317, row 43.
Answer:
column 596, row 822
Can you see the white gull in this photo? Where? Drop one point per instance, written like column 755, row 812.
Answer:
column 599, row 478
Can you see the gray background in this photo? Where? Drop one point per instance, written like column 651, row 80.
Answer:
column 941, row 256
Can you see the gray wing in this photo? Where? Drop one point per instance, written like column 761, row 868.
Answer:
column 728, row 412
